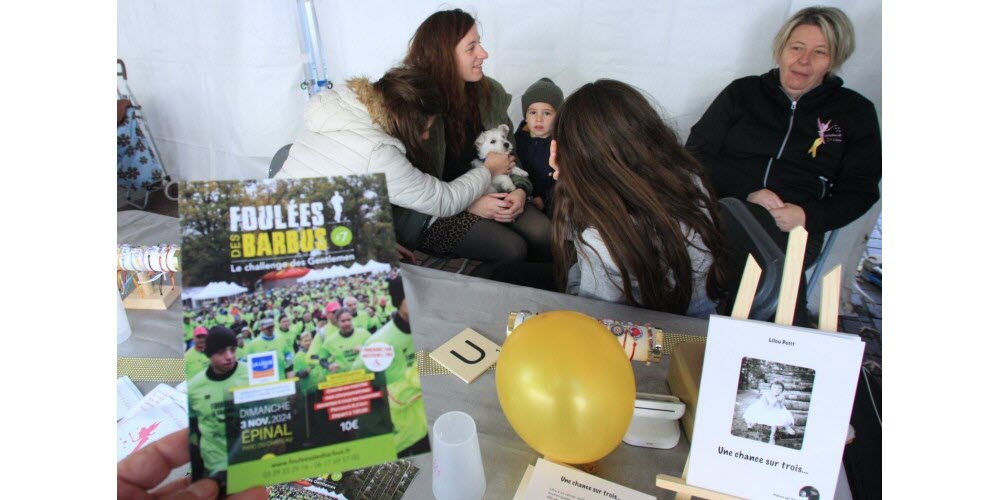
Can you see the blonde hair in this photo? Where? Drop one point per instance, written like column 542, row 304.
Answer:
column 836, row 28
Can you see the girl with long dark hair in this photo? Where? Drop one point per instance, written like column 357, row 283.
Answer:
column 633, row 221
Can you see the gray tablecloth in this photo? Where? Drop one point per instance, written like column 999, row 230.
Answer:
column 441, row 305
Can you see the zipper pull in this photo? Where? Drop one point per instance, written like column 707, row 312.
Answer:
column 793, row 105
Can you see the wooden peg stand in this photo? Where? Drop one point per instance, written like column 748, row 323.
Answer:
column 148, row 296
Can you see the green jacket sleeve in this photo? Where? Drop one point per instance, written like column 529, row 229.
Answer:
column 499, row 101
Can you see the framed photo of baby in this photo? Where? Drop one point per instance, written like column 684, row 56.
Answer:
column 772, row 402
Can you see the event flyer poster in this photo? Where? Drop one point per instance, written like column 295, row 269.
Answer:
column 299, row 361
column 773, row 409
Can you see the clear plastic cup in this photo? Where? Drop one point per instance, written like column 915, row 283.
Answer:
column 124, row 329
column 458, row 463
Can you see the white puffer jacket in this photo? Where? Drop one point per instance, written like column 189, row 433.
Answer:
column 341, row 137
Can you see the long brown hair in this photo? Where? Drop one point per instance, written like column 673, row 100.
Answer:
column 432, row 49
column 623, row 172
column 409, row 99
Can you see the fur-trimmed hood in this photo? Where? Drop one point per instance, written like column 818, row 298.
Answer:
column 342, row 136
column 352, row 106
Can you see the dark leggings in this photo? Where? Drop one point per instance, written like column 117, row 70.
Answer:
column 527, row 238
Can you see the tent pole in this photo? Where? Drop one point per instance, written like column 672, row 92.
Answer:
column 312, row 46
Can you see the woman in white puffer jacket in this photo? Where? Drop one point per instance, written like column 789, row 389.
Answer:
column 364, row 128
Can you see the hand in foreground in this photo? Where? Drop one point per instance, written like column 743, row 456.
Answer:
column 766, row 198
column 789, row 217
column 405, row 255
column 516, row 198
column 489, row 205
column 146, row 468
column 499, row 163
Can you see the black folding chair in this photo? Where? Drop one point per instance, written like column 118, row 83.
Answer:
column 744, row 236
column 278, row 160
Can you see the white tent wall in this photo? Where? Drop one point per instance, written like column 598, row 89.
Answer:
column 220, row 80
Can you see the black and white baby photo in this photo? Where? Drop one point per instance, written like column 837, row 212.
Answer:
column 772, row 402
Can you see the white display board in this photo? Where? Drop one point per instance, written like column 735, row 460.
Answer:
column 773, row 409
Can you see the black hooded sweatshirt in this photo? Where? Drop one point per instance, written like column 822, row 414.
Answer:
column 754, row 136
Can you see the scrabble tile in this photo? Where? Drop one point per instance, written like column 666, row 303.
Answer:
column 467, row 354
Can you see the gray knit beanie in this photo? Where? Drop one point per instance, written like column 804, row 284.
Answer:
column 542, row 91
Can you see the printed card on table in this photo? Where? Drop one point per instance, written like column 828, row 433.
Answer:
column 306, row 368
column 552, row 481
column 142, row 427
column 774, row 405
column 128, row 396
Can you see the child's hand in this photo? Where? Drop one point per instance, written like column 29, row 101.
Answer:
column 538, row 202
column 553, row 159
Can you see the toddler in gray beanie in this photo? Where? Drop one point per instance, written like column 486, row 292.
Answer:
column 540, row 104
column 542, row 99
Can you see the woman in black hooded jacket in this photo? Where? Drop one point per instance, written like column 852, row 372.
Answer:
column 797, row 145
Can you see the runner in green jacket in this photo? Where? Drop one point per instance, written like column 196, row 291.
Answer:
column 267, row 341
column 188, row 332
column 209, row 393
column 406, row 403
column 308, row 370
column 243, row 340
column 288, row 331
column 195, row 360
column 343, row 340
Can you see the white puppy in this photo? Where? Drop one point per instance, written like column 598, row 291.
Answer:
column 495, row 141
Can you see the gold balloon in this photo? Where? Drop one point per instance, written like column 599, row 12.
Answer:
column 566, row 386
